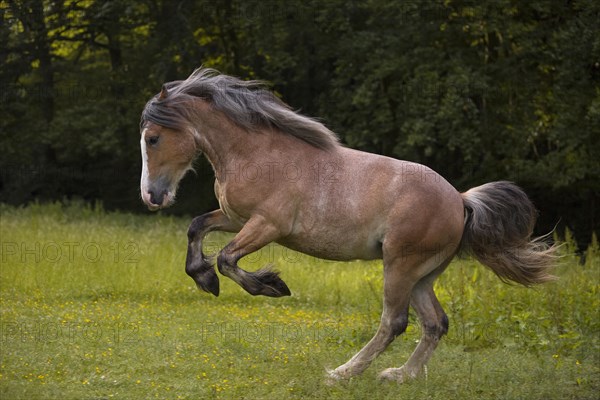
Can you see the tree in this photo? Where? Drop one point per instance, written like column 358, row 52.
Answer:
column 478, row 91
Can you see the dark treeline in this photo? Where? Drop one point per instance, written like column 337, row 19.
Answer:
column 477, row 90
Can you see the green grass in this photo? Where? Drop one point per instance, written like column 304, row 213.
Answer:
column 97, row 305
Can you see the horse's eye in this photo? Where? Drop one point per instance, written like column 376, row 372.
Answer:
column 153, row 140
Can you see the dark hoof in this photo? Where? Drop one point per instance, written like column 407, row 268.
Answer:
column 270, row 284
column 208, row 281
column 201, row 270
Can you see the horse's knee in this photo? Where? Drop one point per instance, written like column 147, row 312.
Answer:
column 196, row 226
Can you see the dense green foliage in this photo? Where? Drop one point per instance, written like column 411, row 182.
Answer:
column 479, row 91
column 97, row 305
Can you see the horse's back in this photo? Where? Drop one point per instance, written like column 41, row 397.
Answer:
column 365, row 198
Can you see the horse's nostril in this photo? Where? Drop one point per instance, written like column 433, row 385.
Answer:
column 156, row 199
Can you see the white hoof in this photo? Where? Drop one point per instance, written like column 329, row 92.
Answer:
column 342, row 373
column 399, row 375
column 333, row 377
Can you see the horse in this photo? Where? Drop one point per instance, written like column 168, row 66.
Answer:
column 284, row 177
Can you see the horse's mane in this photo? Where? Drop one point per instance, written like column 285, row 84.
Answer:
column 247, row 103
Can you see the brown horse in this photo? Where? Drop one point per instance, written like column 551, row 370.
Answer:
column 282, row 177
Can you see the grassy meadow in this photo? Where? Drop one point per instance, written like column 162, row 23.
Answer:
column 97, row 305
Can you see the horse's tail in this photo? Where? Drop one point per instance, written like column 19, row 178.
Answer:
column 498, row 227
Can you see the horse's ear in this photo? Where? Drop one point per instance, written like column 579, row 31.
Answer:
column 163, row 93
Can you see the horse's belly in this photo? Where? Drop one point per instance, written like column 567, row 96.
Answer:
column 331, row 248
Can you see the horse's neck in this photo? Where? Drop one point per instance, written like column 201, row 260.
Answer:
column 228, row 147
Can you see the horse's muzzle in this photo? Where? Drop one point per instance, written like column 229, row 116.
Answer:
column 156, row 200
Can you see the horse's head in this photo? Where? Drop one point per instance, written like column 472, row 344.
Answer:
column 167, row 155
column 168, row 150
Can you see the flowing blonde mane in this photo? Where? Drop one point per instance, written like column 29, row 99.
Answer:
column 247, row 103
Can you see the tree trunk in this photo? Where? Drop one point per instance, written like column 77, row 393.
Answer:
column 42, row 51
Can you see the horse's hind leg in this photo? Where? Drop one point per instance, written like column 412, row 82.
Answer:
column 434, row 324
column 397, row 288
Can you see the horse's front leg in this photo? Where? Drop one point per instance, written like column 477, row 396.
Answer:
column 255, row 234
column 197, row 265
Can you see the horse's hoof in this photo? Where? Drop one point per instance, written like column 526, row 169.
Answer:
column 334, row 378
column 278, row 290
column 271, row 284
column 208, row 281
column 400, row 375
